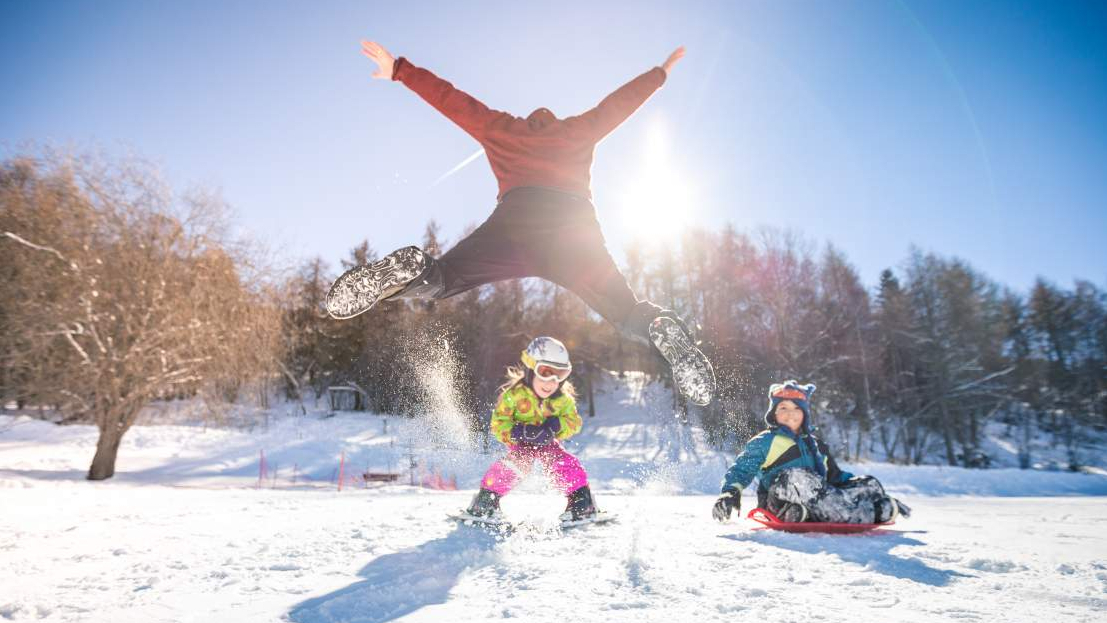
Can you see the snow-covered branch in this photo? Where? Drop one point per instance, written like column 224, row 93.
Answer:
column 39, row 247
column 964, row 387
column 69, row 336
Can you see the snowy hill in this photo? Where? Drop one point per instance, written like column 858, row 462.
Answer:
column 193, row 529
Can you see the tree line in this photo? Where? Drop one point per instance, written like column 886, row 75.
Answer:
column 910, row 369
column 119, row 293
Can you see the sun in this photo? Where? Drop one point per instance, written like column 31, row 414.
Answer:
column 658, row 199
column 659, row 209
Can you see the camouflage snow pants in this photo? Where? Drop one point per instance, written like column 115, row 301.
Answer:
column 861, row 500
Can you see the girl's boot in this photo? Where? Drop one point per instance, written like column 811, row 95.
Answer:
column 580, row 505
column 485, row 504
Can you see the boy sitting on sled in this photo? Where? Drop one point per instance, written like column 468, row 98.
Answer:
column 798, row 479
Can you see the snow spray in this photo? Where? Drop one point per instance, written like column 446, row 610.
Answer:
column 438, row 372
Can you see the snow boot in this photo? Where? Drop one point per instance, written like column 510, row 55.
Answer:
column 888, row 509
column 692, row 372
column 792, row 513
column 362, row 287
column 580, row 506
column 485, row 504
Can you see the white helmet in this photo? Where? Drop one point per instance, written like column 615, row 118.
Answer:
column 547, row 351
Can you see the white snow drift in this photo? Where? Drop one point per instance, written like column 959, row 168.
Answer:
column 184, row 532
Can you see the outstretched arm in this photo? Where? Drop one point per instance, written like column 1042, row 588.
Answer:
column 615, row 108
column 463, row 109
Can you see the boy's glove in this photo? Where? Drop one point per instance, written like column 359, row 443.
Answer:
column 727, row 503
column 536, row 434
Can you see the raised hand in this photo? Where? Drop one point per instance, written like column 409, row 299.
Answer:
column 381, row 57
column 672, row 60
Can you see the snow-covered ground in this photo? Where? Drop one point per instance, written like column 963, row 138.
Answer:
column 186, row 531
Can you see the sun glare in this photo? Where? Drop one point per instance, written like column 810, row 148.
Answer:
column 658, row 198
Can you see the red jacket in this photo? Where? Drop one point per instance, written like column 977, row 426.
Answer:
column 540, row 150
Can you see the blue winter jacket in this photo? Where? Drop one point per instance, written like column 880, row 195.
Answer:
column 776, row 449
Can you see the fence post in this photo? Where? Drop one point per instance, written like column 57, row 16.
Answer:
column 262, row 471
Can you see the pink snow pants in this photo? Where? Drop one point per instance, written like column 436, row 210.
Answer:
column 563, row 469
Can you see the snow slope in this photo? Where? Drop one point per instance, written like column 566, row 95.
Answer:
column 185, row 533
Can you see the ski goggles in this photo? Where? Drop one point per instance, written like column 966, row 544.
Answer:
column 549, row 372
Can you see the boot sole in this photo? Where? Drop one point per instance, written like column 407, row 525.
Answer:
column 692, row 372
column 362, row 287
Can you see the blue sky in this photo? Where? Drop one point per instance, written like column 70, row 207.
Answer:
column 973, row 129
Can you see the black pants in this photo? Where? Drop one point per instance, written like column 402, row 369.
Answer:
column 540, row 232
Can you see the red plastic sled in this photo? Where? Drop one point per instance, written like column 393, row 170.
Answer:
column 771, row 521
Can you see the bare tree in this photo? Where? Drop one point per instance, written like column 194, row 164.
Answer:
column 118, row 294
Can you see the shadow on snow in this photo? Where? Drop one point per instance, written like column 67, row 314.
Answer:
column 396, row 585
column 872, row 551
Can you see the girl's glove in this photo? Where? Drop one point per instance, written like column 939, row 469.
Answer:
column 536, row 434
column 727, row 503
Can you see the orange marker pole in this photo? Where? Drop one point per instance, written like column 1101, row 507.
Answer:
column 341, row 469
